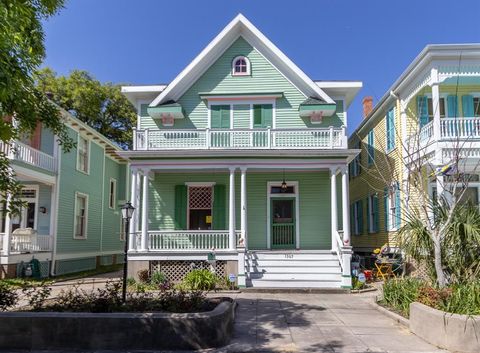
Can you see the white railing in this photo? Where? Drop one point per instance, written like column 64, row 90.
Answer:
column 33, row 243
column 426, row 133
column 238, row 139
column 462, row 128
column 339, row 246
column 24, row 153
column 187, row 240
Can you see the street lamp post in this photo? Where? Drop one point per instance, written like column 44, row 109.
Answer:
column 127, row 213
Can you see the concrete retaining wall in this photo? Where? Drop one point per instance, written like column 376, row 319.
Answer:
column 125, row 331
column 459, row 333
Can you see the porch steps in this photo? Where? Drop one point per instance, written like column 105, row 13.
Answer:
column 292, row 269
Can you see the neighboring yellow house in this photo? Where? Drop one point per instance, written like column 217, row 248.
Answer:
column 428, row 114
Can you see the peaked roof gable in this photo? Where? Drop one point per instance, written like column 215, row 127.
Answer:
column 239, row 26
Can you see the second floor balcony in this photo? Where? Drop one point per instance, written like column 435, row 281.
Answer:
column 240, row 139
column 449, row 129
column 21, row 152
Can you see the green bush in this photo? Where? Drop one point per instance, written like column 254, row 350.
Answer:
column 158, row 278
column 200, row 280
column 463, row 299
column 400, row 293
column 8, row 296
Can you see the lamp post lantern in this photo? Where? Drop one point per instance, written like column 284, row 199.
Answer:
column 127, row 213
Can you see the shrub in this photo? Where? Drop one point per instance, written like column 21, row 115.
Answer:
column 36, row 294
column 8, row 296
column 400, row 293
column 158, row 278
column 200, row 280
column 143, row 276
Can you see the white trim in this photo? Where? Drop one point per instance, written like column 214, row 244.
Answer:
column 36, row 188
column 87, row 254
column 80, row 194
column 142, row 89
column 81, row 136
column 200, row 183
column 114, row 193
column 33, row 174
column 248, row 72
column 238, row 26
column 139, row 109
column 295, row 195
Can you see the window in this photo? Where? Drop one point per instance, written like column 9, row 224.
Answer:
column 476, row 107
column 220, row 116
column 278, row 190
column 390, row 121
column 81, row 216
column 112, row 193
column 392, row 207
column 200, row 201
column 262, row 115
column 370, row 148
column 430, row 108
column 240, row 66
column 82, row 154
column 372, row 213
column 356, row 217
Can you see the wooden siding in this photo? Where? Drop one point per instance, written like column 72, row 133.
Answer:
column 241, row 116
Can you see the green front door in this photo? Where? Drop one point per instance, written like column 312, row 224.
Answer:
column 282, row 223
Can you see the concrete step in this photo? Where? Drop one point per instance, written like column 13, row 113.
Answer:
column 291, row 256
column 262, row 283
column 292, row 263
column 297, row 269
column 295, row 276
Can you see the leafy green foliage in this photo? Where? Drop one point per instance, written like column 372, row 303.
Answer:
column 36, row 294
column 200, row 280
column 400, row 293
column 8, row 296
column 21, row 52
column 101, row 106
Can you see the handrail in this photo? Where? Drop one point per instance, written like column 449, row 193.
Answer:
column 339, row 247
column 21, row 152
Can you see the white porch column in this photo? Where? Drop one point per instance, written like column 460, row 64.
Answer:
column 435, row 104
column 144, row 241
column 231, row 212
column 133, row 222
column 6, row 236
column 345, row 208
column 243, row 206
column 334, row 221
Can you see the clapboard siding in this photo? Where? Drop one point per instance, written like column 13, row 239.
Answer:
column 241, row 116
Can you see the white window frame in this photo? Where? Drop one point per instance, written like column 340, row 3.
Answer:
column 80, row 194
column 80, row 136
column 23, row 210
column 247, row 62
column 370, row 210
column 195, row 185
column 392, row 209
column 248, row 102
column 112, row 204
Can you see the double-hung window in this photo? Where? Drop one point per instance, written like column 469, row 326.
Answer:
column 112, row 193
column 392, row 207
column 81, row 216
column 370, row 148
column 390, row 121
column 83, row 147
column 372, row 213
column 356, row 217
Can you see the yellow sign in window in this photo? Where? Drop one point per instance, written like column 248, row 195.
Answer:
column 208, row 219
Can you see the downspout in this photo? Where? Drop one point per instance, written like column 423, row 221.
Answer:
column 103, row 202
column 58, row 155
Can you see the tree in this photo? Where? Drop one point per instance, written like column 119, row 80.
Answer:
column 101, row 106
column 22, row 105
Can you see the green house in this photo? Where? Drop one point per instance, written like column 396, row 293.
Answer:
column 240, row 165
column 71, row 221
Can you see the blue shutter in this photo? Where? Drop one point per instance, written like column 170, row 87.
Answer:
column 452, row 104
column 385, row 208
column 368, row 214
column 359, row 157
column 467, row 106
column 375, row 213
column 422, row 110
column 360, row 216
column 398, row 210
column 370, row 149
column 390, row 129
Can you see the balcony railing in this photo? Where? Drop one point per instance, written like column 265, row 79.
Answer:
column 24, row 153
column 450, row 129
column 28, row 244
column 239, row 139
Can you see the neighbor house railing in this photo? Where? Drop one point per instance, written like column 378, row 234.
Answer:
column 24, row 153
column 33, row 243
column 450, row 129
column 238, row 139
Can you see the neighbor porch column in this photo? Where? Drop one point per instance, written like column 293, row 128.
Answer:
column 144, row 241
column 345, row 207
column 133, row 223
column 333, row 193
column 243, row 206
column 231, row 212
column 435, row 104
column 6, row 236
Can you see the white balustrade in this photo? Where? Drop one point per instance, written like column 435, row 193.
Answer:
column 462, row 128
column 24, row 153
column 187, row 240
column 33, row 243
column 323, row 138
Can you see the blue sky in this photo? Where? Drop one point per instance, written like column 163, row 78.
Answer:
column 149, row 42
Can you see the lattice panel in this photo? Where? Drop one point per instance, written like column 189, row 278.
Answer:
column 200, row 197
column 175, row 271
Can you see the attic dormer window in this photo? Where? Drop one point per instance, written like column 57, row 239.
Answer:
column 240, row 66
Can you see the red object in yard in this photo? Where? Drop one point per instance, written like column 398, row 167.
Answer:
column 368, row 275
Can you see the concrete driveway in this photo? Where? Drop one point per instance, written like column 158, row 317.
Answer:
column 317, row 323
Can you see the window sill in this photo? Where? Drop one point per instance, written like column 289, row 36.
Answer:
column 83, row 172
column 79, row 238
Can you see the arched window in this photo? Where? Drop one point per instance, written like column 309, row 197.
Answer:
column 240, row 66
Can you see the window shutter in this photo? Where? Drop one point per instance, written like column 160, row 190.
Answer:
column 398, row 210
column 370, row 148
column 390, row 129
column 257, row 115
column 267, row 115
column 225, row 113
column 360, row 217
column 385, row 208
column 452, row 104
column 467, row 106
column 219, row 207
column 422, row 110
column 220, row 116
column 180, row 207
column 359, row 157
column 368, row 214
column 352, row 218
column 375, row 213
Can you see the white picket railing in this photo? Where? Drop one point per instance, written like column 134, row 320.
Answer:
column 238, row 139
column 187, row 240
column 462, row 128
column 24, row 153
column 33, row 243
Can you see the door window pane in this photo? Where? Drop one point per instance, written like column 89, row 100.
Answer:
column 283, row 211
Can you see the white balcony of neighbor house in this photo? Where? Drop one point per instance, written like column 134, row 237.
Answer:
column 22, row 152
column 240, row 139
column 26, row 241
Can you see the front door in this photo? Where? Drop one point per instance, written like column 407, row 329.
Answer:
column 283, row 223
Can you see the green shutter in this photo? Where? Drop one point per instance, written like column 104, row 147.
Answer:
column 267, row 115
column 262, row 115
column 257, row 115
column 452, row 106
column 422, row 110
column 219, row 207
column 375, row 213
column 220, row 116
column 181, row 207
column 467, row 106
column 370, row 148
column 368, row 214
column 360, row 217
column 385, row 208
column 143, row 110
column 352, row 218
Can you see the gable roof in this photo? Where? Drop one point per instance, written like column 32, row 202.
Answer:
column 239, row 26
